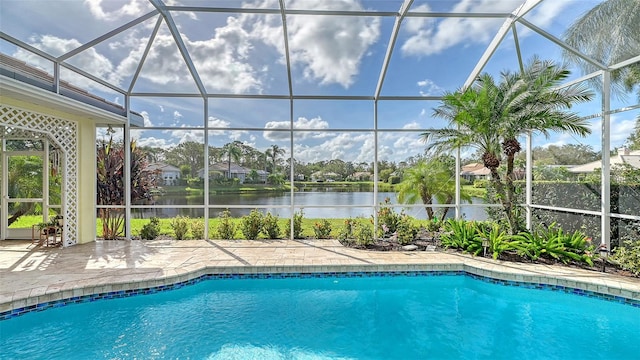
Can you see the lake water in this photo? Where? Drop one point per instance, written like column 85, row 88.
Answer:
column 315, row 204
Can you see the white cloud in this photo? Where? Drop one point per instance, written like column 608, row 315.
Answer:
column 543, row 14
column 114, row 10
column 89, row 60
column 185, row 135
column 620, row 129
column 151, row 141
column 344, row 146
column 429, row 37
column 411, row 125
column 326, row 48
column 223, row 61
column 218, row 123
column 302, row 123
column 429, row 88
column 237, row 134
column 177, row 115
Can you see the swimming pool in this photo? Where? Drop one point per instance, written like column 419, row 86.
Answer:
column 329, row 317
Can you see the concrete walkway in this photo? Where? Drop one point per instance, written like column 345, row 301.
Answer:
column 33, row 275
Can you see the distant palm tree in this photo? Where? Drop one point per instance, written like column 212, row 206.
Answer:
column 428, row 180
column 274, row 152
column 233, row 151
column 490, row 116
column 609, row 33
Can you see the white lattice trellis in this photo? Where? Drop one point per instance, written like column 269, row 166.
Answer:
column 64, row 134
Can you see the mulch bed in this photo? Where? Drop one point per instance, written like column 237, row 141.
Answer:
column 431, row 241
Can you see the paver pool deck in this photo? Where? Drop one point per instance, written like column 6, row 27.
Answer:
column 33, row 275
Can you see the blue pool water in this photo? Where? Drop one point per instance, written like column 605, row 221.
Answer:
column 425, row 317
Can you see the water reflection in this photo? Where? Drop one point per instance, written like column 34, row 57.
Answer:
column 315, row 204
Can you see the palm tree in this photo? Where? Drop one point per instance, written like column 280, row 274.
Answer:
column 609, row 33
column 273, row 152
column 233, row 151
column 534, row 104
column 428, row 180
column 491, row 116
column 471, row 125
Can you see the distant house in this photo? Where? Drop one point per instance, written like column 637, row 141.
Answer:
column 475, row 171
column 624, row 156
column 237, row 172
column 165, row 174
column 361, row 176
column 320, row 176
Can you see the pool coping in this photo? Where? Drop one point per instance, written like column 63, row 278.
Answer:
column 30, row 275
column 599, row 287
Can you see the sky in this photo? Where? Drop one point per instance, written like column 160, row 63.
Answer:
column 243, row 53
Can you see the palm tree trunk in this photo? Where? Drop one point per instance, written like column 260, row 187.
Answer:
column 445, row 211
column 510, row 194
column 426, row 199
column 501, row 194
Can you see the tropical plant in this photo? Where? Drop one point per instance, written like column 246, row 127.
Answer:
column 273, row 153
column 461, row 234
column 233, row 152
column 498, row 240
column 180, row 226
column 556, row 244
column 270, row 226
column 25, row 181
column 226, row 228
column 608, row 33
column 490, row 116
column 251, row 224
column 110, row 183
column 428, row 180
column 275, row 179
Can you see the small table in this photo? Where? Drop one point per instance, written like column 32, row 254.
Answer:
column 47, row 236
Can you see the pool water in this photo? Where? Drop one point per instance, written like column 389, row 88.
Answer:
column 427, row 317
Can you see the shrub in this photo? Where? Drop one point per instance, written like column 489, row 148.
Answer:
column 405, row 230
column 480, row 184
column 322, row 229
column 363, row 233
column 197, row 229
column 345, row 235
column 387, row 219
column 628, row 256
column 297, row 224
column 180, row 226
column 433, row 224
column 270, row 226
column 226, row 227
column 150, row 230
column 394, row 179
column 251, row 225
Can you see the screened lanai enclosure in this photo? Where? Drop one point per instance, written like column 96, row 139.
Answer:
column 320, row 108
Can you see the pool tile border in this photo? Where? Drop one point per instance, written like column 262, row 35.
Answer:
column 122, row 290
